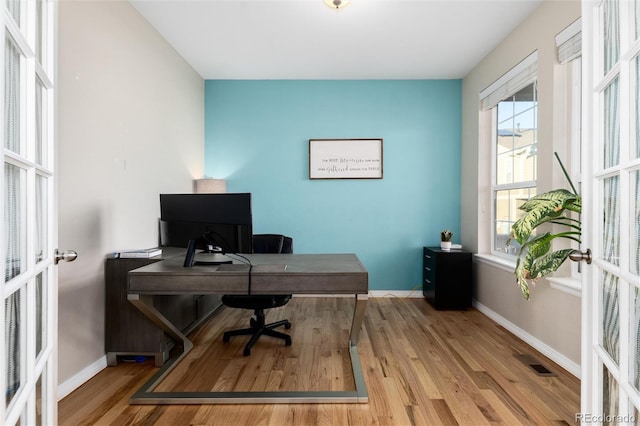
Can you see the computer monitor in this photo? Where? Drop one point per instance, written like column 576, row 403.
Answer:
column 225, row 218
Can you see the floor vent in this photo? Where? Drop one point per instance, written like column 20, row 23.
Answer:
column 535, row 365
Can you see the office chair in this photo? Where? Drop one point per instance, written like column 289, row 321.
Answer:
column 262, row 243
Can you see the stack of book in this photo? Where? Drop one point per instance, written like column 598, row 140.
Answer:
column 138, row 254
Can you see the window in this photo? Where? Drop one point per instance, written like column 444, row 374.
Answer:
column 514, row 162
column 513, row 102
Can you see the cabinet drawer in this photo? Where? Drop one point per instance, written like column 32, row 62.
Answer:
column 429, row 265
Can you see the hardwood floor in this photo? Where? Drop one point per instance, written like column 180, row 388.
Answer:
column 421, row 367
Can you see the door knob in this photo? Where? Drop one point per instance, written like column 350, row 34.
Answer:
column 67, row 256
column 578, row 256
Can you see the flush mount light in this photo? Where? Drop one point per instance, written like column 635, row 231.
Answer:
column 337, row 4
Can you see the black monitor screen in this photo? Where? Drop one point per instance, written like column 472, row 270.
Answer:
column 226, row 218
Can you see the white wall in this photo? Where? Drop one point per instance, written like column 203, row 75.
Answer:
column 131, row 126
column 551, row 316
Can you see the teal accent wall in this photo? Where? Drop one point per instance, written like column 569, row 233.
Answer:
column 257, row 137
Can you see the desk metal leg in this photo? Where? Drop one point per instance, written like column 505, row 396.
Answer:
column 145, row 304
column 145, row 394
column 358, row 317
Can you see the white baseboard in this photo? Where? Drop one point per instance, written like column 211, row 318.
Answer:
column 323, row 295
column 81, row 377
column 564, row 362
column 403, row 294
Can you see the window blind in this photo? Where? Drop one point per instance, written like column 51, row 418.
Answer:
column 569, row 42
column 511, row 82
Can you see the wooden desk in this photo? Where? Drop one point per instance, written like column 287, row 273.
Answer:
column 270, row 274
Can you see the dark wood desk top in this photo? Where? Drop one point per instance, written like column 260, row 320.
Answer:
column 270, row 274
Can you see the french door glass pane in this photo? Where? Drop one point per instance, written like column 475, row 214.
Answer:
column 11, row 96
column 14, row 9
column 40, row 145
column 636, row 21
column 634, row 372
column 611, row 36
column 611, row 124
column 42, row 227
column 15, row 180
column 39, row 402
column 611, row 221
column 610, row 399
column 12, row 344
column 635, row 217
column 610, row 315
column 39, row 29
column 41, row 303
column 637, row 114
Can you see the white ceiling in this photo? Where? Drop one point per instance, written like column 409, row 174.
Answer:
column 304, row 39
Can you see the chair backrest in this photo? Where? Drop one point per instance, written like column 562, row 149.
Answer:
column 287, row 245
column 272, row 243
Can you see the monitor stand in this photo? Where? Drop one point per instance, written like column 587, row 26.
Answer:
column 205, row 258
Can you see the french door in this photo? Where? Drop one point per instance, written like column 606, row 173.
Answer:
column 29, row 292
column 611, row 164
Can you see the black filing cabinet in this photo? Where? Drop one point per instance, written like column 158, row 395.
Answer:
column 447, row 279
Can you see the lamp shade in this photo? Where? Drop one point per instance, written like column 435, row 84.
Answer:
column 210, row 186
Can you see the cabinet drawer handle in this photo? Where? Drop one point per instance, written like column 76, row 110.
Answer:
column 427, row 256
column 427, row 268
column 428, row 282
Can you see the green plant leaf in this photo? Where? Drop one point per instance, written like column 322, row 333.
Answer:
column 535, row 258
column 538, row 263
column 575, row 206
column 549, row 263
column 534, row 248
column 538, row 246
column 559, row 197
column 521, row 281
column 524, row 288
column 540, row 209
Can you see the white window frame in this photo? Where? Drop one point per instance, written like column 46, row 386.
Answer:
column 569, row 81
column 495, row 187
column 517, row 78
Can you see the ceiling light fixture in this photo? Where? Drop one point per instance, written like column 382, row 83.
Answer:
column 337, row 4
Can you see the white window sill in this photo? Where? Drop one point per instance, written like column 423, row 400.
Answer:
column 499, row 262
column 570, row 286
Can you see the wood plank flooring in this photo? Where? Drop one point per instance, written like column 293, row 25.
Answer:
column 421, row 367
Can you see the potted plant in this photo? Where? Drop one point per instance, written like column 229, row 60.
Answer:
column 535, row 258
column 445, row 239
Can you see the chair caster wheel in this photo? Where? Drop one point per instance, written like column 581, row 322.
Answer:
column 225, row 338
column 288, row 342
column 287, row 325
column 246, row 352
column 253, row 323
